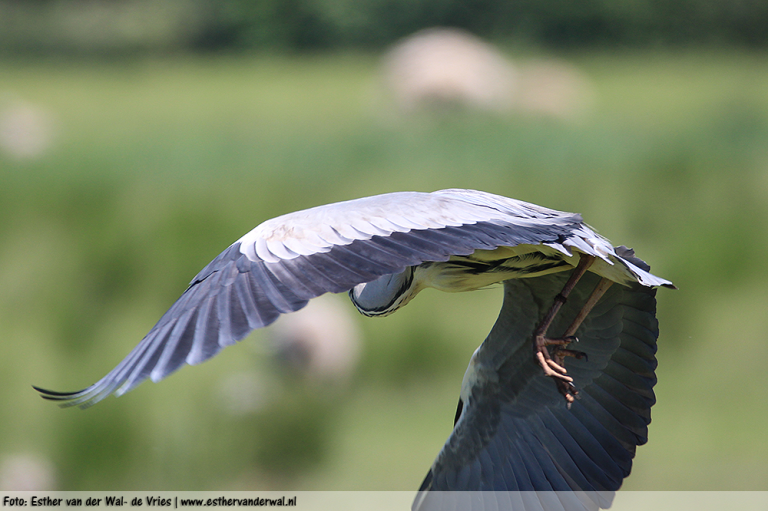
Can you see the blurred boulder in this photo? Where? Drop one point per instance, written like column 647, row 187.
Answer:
column 26, row 472
column 26, row 130
column 319, row 342
column 556, row 89
column 447, row 67
column 247, row 392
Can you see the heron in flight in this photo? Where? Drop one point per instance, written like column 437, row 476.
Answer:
column 535, row 416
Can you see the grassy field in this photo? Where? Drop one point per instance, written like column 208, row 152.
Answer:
column 155, row 166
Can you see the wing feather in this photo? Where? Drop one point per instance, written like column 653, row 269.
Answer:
column 281, row 264
column 145, row 363
column 177, row 346
column 205, row 342
column 582, row 452
column 247, row 294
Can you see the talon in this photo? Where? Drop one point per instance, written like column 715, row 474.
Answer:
column 569, row 392
column 552, row 363
column 553, row 366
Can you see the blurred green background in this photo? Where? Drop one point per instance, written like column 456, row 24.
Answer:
column 142, row 138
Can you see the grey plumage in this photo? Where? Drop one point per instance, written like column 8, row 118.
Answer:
column 514, row 432
column 516, row 409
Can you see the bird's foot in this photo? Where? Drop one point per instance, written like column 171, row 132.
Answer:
column 553, row 363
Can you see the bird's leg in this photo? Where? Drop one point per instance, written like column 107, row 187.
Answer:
column 553, row 367
column 597, row 293
column 559, row 352
column 539, row 335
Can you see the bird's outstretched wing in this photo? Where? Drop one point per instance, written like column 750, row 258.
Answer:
column 516, row 445
column 284, row 262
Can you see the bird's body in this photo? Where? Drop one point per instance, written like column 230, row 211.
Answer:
column 383, row 250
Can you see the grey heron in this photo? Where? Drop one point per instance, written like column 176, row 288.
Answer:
column 514, row 430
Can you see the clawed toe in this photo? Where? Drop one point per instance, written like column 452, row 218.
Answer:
column 553, row 363
column 568, row 390
column 552, row 368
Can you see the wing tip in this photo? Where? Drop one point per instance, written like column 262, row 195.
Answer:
column 82, row 398
column 63, row 399
column 634, row 263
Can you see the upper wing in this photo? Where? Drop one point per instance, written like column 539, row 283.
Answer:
column 517, row 437
column 281, row 264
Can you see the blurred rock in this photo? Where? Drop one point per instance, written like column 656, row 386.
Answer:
column 556, row 89
column 444, row 67
column 246, row 392
column 320, row 342
column 26, row 130
column 26, row 472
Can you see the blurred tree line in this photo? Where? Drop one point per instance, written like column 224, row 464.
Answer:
column 126, row 26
